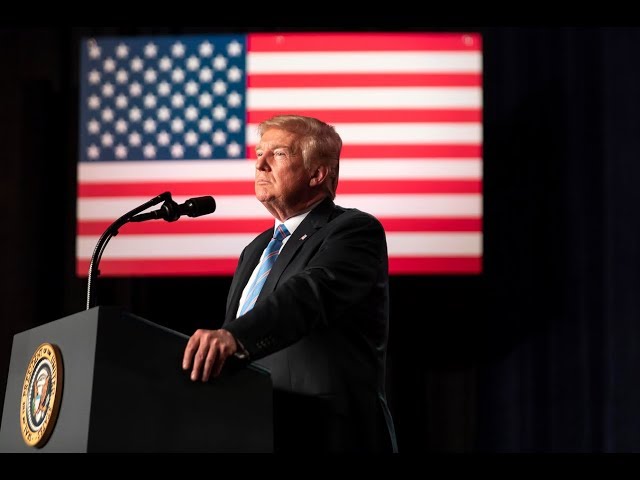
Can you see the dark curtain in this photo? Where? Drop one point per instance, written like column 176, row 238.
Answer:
column 538, row 354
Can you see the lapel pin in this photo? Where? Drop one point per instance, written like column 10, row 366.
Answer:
column 303, row 236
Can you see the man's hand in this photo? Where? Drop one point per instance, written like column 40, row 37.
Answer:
column 208, row 350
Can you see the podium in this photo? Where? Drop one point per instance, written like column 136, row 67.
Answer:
column 123, row 390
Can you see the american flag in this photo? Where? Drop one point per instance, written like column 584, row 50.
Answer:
column 180, row 113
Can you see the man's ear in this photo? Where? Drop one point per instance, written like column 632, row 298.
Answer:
column 319, row 175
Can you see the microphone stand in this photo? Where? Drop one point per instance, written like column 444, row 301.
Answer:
column 110, row 232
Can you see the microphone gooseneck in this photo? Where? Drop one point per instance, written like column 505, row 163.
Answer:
column 170, row 211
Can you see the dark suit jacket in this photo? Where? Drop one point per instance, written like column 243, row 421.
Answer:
column 320, row 326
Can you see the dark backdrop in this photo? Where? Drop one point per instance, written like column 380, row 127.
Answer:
column 538, row 354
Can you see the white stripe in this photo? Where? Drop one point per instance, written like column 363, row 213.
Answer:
column 230, row 207
column 400, row 133
column 402, row 169
column 217, row 170
column 150, row 171
column 459, row 244
column 368, row 98
column 110, row 208
column 230, row 245
column 166, row 246
column 415, row 205
column 364, row 62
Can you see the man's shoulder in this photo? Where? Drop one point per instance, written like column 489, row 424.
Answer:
column 355, row 216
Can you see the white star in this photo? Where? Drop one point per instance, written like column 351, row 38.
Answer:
column 137, row 64
column 94, row 49
column 121, row 101
column 204, row 150
column 177, row 50
column 94, row 77
column 205, row 75
column 234, row 74
column 94, row 102
column 177, row 75
column 205, row 124
column 150, row 50
column 233, row 149
column 191, row 113
column 177, row 125
column 135, row 139
column 135, row 114
column 191, row 88
column 107, row 140
column 220, row 62
column 150, row 100
column 206, row 49
column 177, row 150
column 165, row 64
column 164, row 114
column 219, row 87
column 109, row 65
column 107, row 90
column 149, row 125
column 122, row 76
column 177, row 100
column 121, row 126
column 164, row 138
column 93, row 126
column 219, row 137
column 150, row 75
column 107, row 114
column 205, row 100
column 234, row 124
column 93, row 152
column 193, row 63
column 121, row 151
column 135, row 89
column 191, row 138
column 164, row 88
column 149, row 150
column 219, row 112
column 234, row 99
column 234, row 48
column 122, row 51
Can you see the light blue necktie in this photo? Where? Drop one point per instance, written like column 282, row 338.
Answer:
column 268, row 259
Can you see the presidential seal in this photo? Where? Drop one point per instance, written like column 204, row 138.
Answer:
column 41, row 394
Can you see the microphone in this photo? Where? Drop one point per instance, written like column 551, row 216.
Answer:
column 171, row 211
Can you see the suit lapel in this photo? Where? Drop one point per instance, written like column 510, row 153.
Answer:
column 317, row 218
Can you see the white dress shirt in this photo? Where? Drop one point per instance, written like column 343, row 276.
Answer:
column 291, row 224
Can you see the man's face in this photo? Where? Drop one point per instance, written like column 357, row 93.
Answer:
column 281, row 181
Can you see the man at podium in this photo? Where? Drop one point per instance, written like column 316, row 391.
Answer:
column 309, row 300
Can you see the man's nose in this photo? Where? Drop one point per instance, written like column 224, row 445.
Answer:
column 261, row 162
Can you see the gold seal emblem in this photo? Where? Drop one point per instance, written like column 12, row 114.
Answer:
column 41, row 394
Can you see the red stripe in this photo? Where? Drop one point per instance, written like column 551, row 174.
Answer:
column 435, row 265
column 432, row 224
column 227, row 266
column 247, row 188
column 375, row 116
column 184, row 226
column 161, row 267
column 409, row 186
column 187, row 226
column 364, row 80
column 451, row 151
column 411, row 151
column 341, row 42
